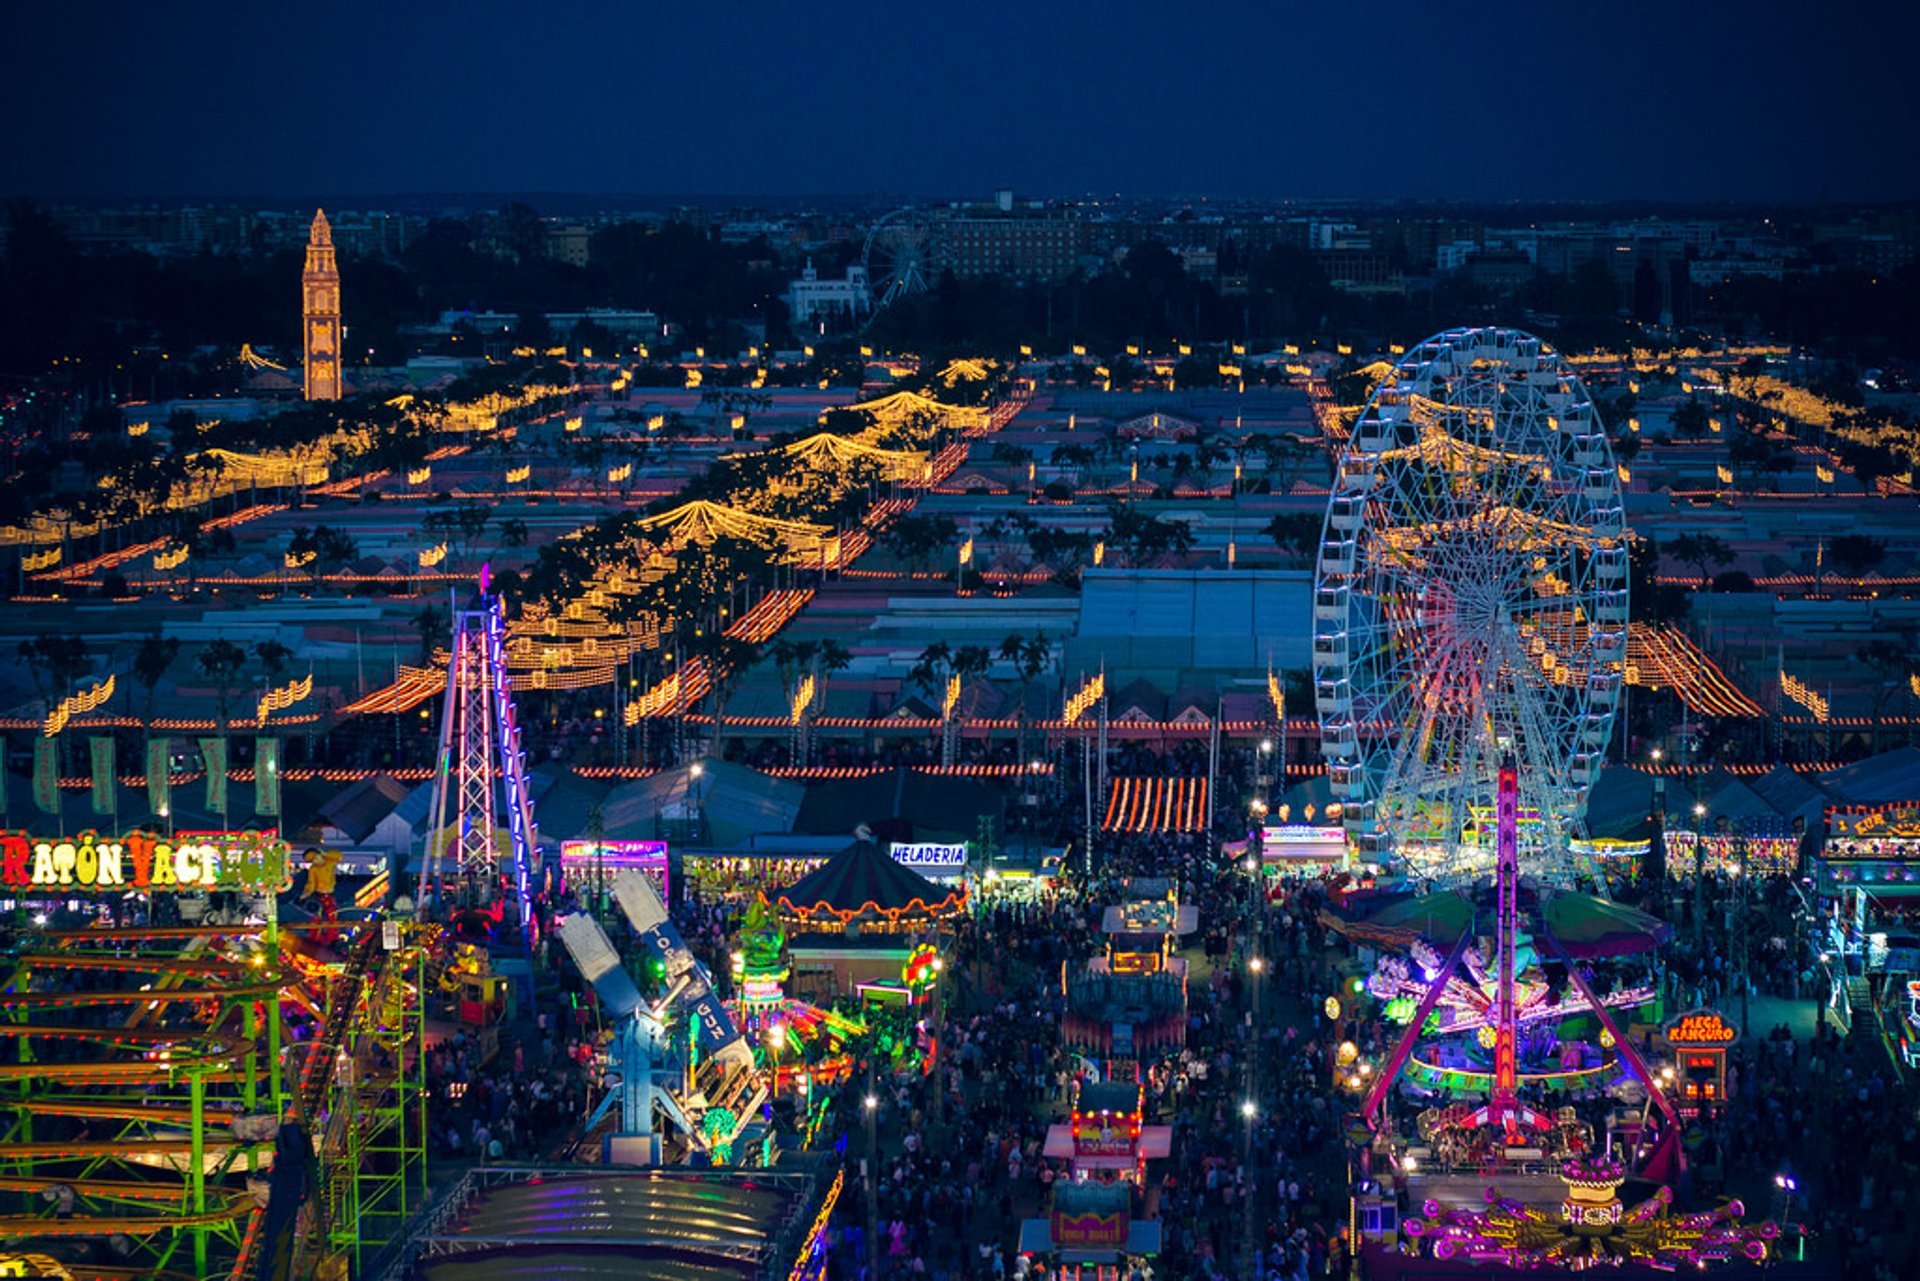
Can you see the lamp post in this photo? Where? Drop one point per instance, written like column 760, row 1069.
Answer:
column 1699, row 875
column 871, row 1104
column 697, row 822
column 1248, row 1111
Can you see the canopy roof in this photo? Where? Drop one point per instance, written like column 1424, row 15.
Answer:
column 1584, row 926
column 864, row 880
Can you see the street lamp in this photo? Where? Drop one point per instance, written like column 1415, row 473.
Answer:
column 869, row 1105
column 1247, row 1111
column 1699, row 874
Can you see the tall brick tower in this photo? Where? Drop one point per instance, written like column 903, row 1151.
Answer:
column 320, row 299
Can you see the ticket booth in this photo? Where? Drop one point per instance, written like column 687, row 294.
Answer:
column 483, row 999
column 1699, row 1040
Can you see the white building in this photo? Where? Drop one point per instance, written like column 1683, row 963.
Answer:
column 811, row 296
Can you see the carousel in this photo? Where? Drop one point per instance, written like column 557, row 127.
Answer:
column 804, row 1044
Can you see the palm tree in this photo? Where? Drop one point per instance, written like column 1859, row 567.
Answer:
column 1030, row 657
column 435, row 628
column 273, row 658
column 1703, row 551
column 221, row 662
column 150, row 664
column 1296, row 533
column 935, row 664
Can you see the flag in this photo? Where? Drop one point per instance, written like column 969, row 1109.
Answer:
column 46, row 776
column 101, row 747
column 159, row 785
column 214, row 752
column 266, row 776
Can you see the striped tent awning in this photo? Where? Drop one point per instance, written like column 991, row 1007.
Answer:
column 1156, row 805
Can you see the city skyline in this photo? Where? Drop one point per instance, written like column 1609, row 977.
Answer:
column 1296, row 103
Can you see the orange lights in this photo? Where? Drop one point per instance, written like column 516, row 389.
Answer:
column 1156, row 805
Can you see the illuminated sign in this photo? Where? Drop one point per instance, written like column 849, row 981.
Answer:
column 614, row 854
column 139, row 861
column 926, row 855
column 1704, row 1028
column 649, row 857
column 1090, row 1231
column 1296, row 833
column 1099, row 1136
column 1299, row 840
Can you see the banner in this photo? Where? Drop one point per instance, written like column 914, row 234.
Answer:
column 101, row 747
column 159, row 784
column 46, row 776
column 266, row 776
column 214, row 752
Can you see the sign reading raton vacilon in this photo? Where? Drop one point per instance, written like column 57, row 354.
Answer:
column 141, row 861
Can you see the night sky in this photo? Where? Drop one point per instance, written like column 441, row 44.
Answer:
column 1558, row 100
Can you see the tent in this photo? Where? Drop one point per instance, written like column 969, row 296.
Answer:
column 864, row 881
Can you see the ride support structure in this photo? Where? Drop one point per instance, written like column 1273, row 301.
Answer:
column 479, row 743
column 683, row 1055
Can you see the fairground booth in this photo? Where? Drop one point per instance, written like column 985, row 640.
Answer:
column 1105, row 1136
column 858, row 918
column 1129, row 1006
column 1698, row 1040
column 1867, row 879
column 1090, row 1234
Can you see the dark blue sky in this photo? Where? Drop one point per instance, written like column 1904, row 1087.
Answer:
column 1450, row 99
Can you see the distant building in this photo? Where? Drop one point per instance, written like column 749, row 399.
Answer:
column 1044, row 246
column 1499, row 270
column 572, row 244
column 320, row 302
column 811, row 296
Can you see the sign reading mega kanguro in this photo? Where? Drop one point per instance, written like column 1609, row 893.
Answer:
column 139, row 861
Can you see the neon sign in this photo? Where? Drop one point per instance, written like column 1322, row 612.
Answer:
column 649, row 857
column 1701, row 1028
column 928, row 855
column 139, row 861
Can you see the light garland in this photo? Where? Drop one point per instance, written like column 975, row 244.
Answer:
column 1157, row 805
column 431, row 556
column 1083, row 698
column 278, row 700
column 1277, row 696
column 420, row 475
column 77, row 705
column 519, row 475
column 803, row 699
column 1797, row 690
column 952, row 698
column 34, row 562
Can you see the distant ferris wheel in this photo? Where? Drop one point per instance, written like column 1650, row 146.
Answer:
column 1470, row 603
column 905, row 253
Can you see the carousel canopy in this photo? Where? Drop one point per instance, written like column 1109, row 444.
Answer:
column 864, row 879
column 1583, row 926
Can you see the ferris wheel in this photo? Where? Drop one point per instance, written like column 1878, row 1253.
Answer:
column 905, row 253
column 1470, row 604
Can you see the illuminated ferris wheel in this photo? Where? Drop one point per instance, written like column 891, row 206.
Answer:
column 905, row 253
column 1470, row 603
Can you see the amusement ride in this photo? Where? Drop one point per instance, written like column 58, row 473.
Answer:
column 1470, row 618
